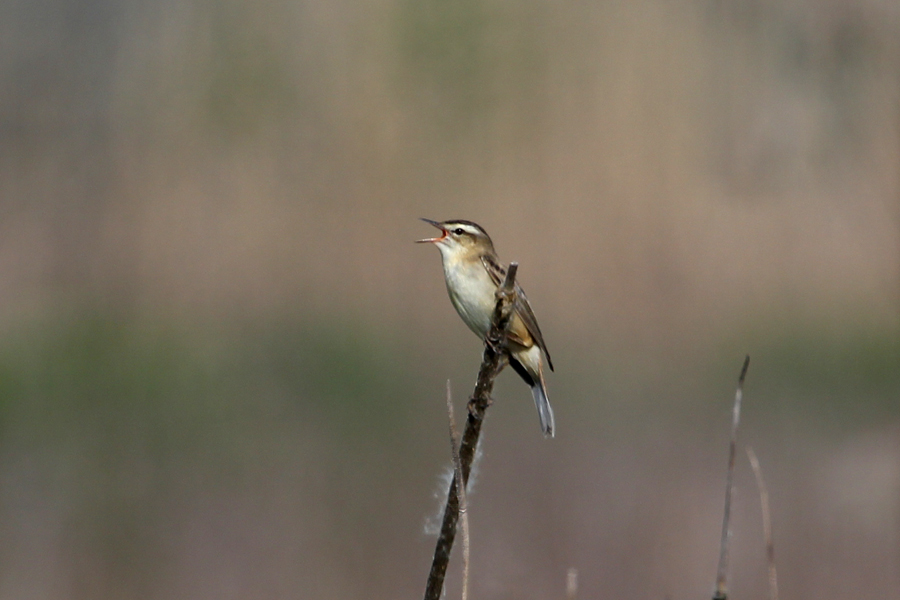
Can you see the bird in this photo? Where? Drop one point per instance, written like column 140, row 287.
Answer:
column 472, row 272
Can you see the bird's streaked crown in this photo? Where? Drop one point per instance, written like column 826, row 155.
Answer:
column 461, row 231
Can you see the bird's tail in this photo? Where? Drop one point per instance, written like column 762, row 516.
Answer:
column 528, row 365
column 543, row 407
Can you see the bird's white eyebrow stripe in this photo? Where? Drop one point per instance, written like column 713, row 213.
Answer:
column 467, row 228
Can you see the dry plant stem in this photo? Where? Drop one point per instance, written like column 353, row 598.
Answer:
column 572, row 584
column 767, row 523
column 722, row 574
column 460, row 491
column 492, row 363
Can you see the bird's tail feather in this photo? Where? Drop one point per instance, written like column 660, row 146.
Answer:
column 542, row 404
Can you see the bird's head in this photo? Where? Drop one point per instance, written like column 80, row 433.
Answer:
column 459, row 237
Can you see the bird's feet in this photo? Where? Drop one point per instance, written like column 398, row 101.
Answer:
column 496, row 344
column 477, row 407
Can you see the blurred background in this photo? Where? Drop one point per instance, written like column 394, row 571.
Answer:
column 222, row 360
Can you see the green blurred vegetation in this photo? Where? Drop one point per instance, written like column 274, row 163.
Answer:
column 131, row 425
column 121, row 390
column 124, row 424
column 162, row 390
column 841, row 375
column 248, row 77
column 61, row 378
column 464, row 65
column 861, row 361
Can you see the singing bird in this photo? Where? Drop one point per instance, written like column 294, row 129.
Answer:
column 473, row 273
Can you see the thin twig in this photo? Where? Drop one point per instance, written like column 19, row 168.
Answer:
column 722, row 574
column 767, row 523
column 492, row 362
column 461, row 492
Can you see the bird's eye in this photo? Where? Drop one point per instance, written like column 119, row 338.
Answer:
column 459, row 231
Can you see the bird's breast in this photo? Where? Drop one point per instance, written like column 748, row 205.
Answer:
column 471, row 291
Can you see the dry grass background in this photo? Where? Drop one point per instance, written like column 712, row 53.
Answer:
column 223, row 358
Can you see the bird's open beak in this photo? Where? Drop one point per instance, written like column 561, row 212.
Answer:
column 437, row 239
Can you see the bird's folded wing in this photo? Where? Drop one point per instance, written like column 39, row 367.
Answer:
column 522, row 306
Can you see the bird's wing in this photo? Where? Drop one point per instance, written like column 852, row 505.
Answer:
column 522, row 306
